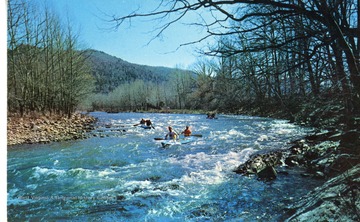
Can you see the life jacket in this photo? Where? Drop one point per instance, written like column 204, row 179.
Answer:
column 172, row 135
column 187, row 132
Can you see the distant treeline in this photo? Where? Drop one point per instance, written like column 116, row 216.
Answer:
column 145, row 95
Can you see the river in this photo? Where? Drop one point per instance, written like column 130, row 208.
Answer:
column 122, row 174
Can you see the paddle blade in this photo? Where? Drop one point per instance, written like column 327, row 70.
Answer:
column 157, row 138
column 196, row 135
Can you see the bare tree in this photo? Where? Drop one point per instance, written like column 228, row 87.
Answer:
column 313, row 25
column 46, row 72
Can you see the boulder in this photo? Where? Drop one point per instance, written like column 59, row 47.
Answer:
column 262, row 165
column 267, row 174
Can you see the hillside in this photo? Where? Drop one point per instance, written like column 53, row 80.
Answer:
column 110, row 71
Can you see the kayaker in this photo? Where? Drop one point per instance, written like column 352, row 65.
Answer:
column 171, row 134
column 211, row 116
column 146, row 122
column 142, row 121
column 187, row 131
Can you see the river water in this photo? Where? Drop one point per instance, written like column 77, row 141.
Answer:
column 123, row 174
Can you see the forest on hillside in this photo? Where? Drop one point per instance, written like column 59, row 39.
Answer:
column 124, row 86
column 110, row 71
column 293, row 56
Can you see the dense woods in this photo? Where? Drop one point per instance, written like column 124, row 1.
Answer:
column 46, row 72
column 278, row 53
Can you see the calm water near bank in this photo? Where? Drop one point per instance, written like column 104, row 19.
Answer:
column 123, row 174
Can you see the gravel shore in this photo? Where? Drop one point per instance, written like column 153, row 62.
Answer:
column 45, row 129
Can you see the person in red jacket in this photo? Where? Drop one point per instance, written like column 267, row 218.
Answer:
column 187, row 131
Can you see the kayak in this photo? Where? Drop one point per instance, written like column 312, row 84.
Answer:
column 168, row 143
column 192, row 135
column 145, row 126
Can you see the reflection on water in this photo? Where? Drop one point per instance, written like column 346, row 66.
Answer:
column 123, row 174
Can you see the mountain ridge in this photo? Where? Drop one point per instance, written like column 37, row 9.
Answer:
column 110, row 71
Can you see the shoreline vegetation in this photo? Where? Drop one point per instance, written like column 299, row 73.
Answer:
column 331, row 154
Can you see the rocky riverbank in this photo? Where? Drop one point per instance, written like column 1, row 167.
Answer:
column 333, row 156
column 45, row 129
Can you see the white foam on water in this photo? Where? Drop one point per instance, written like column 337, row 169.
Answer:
column 236, row 133
column 245, row 154
column 167, row 213
column 282, row 127
column 32, row 186
column 203, row 128
column 130, row 185
column 208, row 168
column 89, row 173
column 263, row 138
column 227, row 135
column 106, row 172
column 257, row 145
column 205, row 170
column 40, row 172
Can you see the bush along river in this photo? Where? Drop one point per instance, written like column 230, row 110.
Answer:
column 121, row 173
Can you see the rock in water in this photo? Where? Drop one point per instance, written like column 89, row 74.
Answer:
column 267, row 174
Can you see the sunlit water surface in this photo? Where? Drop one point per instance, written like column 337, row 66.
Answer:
column 123, row 174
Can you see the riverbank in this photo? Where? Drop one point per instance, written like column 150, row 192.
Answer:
column 47, row 128
column 332, row 156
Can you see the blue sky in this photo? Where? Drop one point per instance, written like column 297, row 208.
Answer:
column 130, row 43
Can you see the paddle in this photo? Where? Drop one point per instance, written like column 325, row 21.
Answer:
column 158, row 138
column 151, row 125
